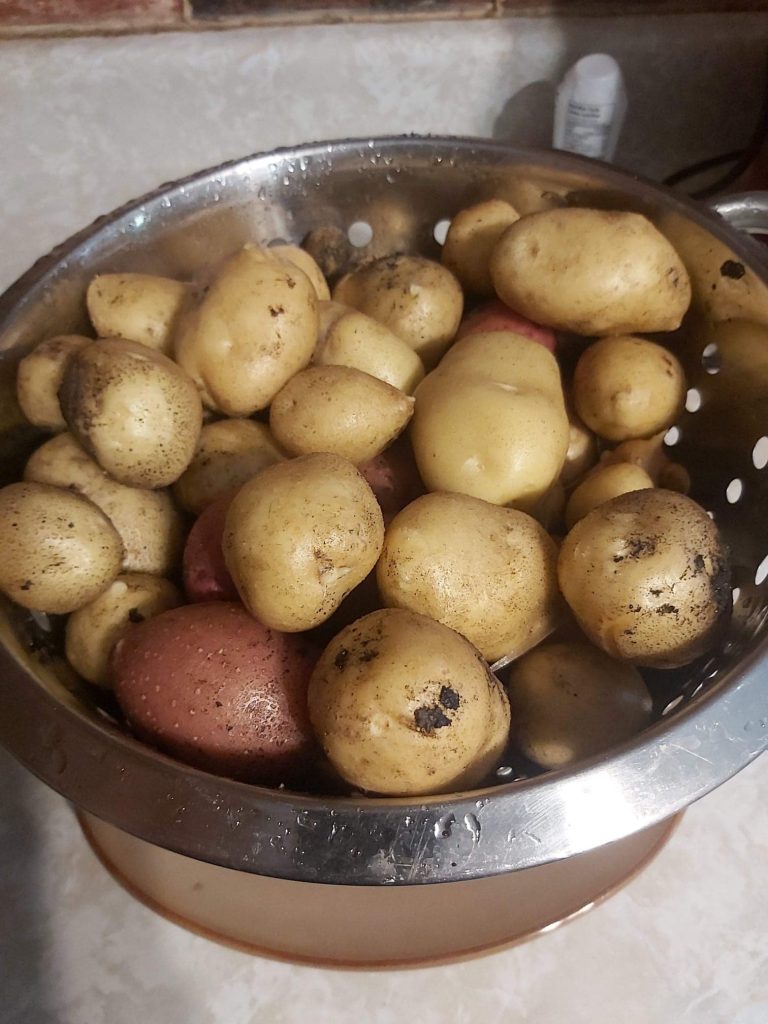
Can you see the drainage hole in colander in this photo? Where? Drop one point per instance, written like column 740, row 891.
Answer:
column 760, row 453
column 761, row 573
column 736, row 594
column 693, row 400
column 440, row 231
column 710, row 358
column 734, row 491
column 672, row 436
column 360, row 233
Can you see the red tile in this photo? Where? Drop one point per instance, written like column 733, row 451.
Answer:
column 75, row 12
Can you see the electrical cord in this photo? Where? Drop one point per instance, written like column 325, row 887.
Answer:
column 740, row 158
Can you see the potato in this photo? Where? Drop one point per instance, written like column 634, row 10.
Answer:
column 471, row 237
column 139, row 307
column 133, row 409
column 149, row 525
column 59, row 550
column 507, row 358
column 393, row 477
column 570, row 701
column 205, row 573
column 300, row 258
column 404, row 706
column 330, row 248
column 210, row 685
column 491, row 422
column 592, row 272
column 299, row 537
column 93, row 630
column 647, row 577
column 229, row 452
column 39, row 377
column 489, row 573
column 602, row 484
column 339, row 410
column 254, row 329
column 495, row 316
column 581, row 454
column 650, row 454
column 626, row 387
column 416, row 298
column 356, row 340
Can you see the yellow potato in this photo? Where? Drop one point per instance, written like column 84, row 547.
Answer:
column 626, row 387
column 59, row 550
column 229, row 452
column 417, row 299
column 650, row 455
column 139, row 307
column 149, row 525
column 254, row 328
column 300, row 258
column 471, row 238
column 581, row 454
column 39, row 378
column 299, row 537
column 133, row 409
column 339, row 410
column 475, row 431
column 508, row 358
column 404, row 706
column 602, row 484
column 647, row 577
column 93, row 630
column 356, row 340
column 487, row 572
column 571, row 701
column 592, row 272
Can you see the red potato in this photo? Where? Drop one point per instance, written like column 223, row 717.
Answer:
column 495, row 315
column 393, row 477
column 206, row 577
column 211, row 686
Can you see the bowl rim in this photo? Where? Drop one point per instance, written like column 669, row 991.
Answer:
column 372, row 841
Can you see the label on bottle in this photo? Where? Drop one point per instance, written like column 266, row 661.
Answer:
column 587, row 127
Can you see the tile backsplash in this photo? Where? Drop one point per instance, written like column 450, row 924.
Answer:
column 82, row 17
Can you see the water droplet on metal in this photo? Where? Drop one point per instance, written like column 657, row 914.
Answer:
column 473, row 826
column 444, row 826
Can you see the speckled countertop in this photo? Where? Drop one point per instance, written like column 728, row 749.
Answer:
column 87, row 124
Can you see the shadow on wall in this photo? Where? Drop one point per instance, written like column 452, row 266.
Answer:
column 689, row 86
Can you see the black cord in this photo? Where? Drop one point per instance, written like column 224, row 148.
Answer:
column 742, row 157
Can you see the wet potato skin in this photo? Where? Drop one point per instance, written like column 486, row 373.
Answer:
column 403, row 705
column 59, row 550
column 149, row 524
column 418, row 299
column 299, row 537
column 593, row 272
column 647, row 577
column 133, row 409
column 487, row 572
column 339, row 410
column 571, row 701
column 93, row 631
column 39, row 378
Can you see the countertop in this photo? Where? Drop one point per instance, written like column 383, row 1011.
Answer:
column 87, row 124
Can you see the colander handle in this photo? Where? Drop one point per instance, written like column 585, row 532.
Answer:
column 747, row 211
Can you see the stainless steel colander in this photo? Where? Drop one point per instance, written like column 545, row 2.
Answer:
column 396, row 194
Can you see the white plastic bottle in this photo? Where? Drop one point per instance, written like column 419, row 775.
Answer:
column 590, row 107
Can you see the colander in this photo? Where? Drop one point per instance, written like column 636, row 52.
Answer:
column 398, row 194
